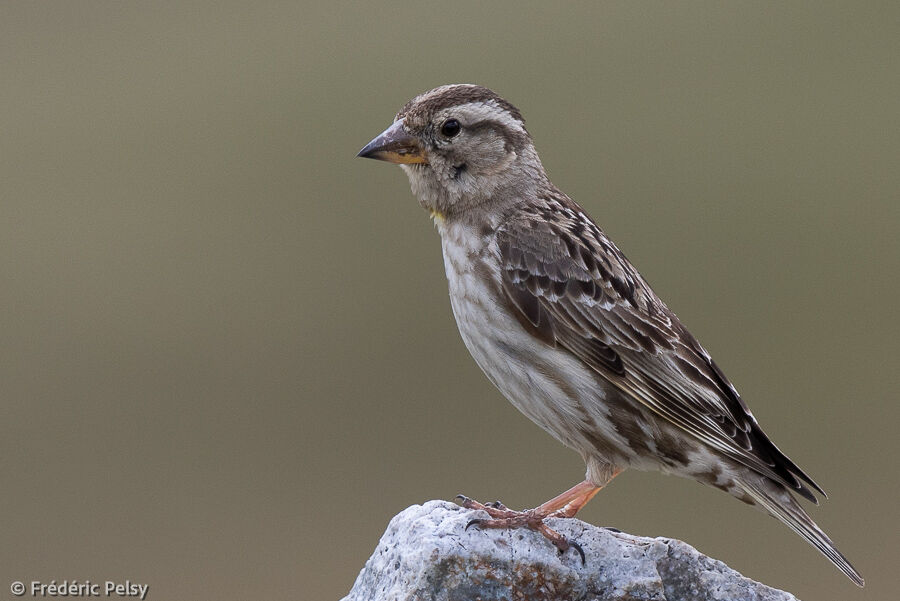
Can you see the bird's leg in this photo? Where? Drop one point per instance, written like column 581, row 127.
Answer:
column 564, row 505
column 574, row 506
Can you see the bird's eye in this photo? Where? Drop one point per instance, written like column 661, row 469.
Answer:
column 450, row 128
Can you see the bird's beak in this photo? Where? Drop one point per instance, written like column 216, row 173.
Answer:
column 395, row 145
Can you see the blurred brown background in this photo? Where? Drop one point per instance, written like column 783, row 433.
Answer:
column 227, row 353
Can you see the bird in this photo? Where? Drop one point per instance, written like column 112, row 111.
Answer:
column 568, row 330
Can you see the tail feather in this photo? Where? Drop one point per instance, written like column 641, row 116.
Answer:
column 778, row 502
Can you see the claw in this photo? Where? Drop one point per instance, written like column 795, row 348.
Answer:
column 565, row 505
column 578, row 548
column 564, row 544
column 611, row 529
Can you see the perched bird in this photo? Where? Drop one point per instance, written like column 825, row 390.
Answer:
column 568, row 330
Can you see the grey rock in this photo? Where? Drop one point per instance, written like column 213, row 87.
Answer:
column 427, row 554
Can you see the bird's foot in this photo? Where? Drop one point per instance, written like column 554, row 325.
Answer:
column 503, row 517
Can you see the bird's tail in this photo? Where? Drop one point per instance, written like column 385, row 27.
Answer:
column 777, row 501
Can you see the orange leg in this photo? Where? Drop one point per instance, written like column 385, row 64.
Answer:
column 565, row 505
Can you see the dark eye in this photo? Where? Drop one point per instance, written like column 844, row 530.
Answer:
column 450, row 128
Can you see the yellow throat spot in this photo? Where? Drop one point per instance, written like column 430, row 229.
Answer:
column 437, row 216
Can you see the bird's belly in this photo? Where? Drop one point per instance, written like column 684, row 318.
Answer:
column 550, row 386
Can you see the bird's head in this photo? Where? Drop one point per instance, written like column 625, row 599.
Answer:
column 462, row 146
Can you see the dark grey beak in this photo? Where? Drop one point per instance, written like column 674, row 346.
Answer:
column 395, row 145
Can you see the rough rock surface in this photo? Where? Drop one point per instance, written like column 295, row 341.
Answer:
column 426, row 554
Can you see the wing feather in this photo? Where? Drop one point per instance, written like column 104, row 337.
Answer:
column 572, row 284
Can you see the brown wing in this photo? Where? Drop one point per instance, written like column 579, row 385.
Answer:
column 572, row 283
